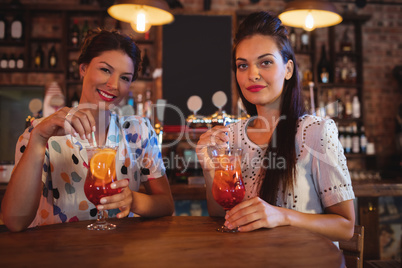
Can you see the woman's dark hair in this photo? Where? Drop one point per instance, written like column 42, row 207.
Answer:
column 100, row 40
column 265, row 23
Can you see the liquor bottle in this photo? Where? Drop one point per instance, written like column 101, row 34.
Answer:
column 339, row 108
column 3, row 27
column 355, row 140
column 4, row 61
column 12, row 61
column 84, row 30
column 39, row 57
column 348, row 106
column 293, row 39
column 348, row 142
column 356, row 107
column 148, row 104
column 346, row 44
column 20, row 61
column 75, row 34
column 130, row 99
column 323, row 66
column 345, row 70
column 140, row 105
column 352, row 75
column 16, row 28
column 342, row 139
column 330, row 108
column 305, row 41
column 52, row 58
column 146, row 67
column 363, row 140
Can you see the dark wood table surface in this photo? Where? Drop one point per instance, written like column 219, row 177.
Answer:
column 165, row 242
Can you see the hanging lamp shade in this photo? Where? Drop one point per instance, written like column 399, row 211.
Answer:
column 141, row 14
column 310, row 14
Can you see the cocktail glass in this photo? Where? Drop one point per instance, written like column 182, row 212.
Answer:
column 101, row 174
column 228, row 187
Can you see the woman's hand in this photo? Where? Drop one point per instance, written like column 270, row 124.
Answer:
column 121, row 200
column 215, row 137
column 75, row 121
column 254, row 214
column 337, row 223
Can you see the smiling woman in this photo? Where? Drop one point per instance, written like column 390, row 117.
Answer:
column 47, row 185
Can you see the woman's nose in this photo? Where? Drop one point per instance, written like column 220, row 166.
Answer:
column 254, row 74
column 112, row 82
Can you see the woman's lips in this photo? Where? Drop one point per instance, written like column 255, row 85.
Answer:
column 106, row 96
column 255, row 88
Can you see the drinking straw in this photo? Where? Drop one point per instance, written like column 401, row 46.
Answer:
column 93, row 138
column 226, row 121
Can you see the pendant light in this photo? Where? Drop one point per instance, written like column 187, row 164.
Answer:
column 310, row 14
column 141, row 14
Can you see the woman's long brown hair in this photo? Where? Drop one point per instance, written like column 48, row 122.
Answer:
column 265, row 23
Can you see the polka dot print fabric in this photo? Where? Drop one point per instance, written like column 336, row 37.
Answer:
column 65, row 168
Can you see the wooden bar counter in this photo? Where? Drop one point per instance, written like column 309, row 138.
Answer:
column 165, row 242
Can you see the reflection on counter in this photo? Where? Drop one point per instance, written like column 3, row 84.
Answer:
column 190, row 208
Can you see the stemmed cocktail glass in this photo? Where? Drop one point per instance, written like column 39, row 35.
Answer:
column 227, row 187
column 101, row 174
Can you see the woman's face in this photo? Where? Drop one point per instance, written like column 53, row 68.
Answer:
column 261, row 72
column 107, row 78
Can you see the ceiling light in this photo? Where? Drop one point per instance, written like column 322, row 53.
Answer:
column 310, row 14
column 141, row 14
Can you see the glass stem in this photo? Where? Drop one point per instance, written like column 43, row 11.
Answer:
column 101, row 217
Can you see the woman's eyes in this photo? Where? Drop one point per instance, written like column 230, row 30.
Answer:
column 264, row 63
column 125, row 78
column 242, row 66
column 106, row 70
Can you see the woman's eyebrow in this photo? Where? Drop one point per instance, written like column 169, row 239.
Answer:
column 266, row 54
column 259, row 57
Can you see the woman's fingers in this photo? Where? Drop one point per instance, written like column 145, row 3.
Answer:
column 79, row 122
column 215, row 137
column 121, row 200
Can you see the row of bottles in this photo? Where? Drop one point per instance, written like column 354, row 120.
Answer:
column 141, row 107
column 12, row 62
column 77, row 33
column 344, row 69
column 13, row 30
column 39, row 58
column 353, row 140
column 340, row 107
column 300, row 41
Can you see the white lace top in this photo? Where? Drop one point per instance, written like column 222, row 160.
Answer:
column 322, row 177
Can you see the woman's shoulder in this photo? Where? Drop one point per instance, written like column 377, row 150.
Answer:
column 317, row 122
column 134, row 122
column 240, row 124
column 314, row 128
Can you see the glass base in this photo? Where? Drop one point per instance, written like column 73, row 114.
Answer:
column 101, row 226
column 224, row 229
